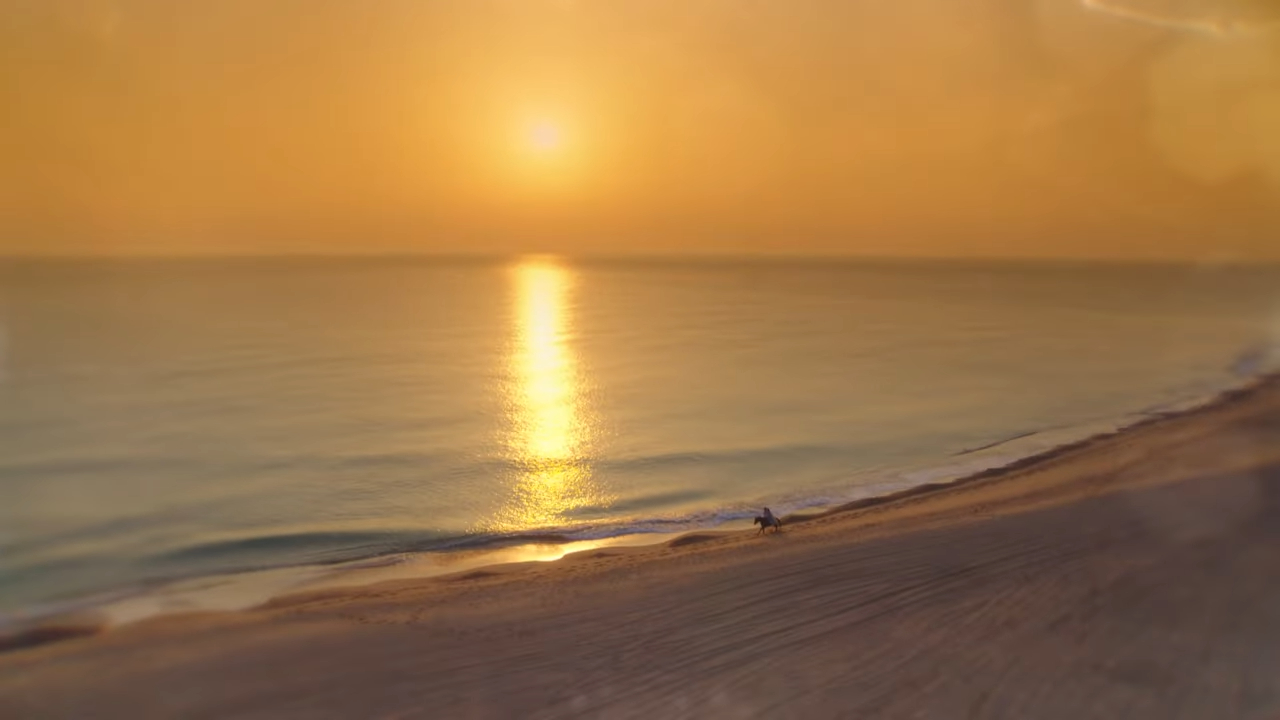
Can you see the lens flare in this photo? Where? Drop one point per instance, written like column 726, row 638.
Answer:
column 1219, row 19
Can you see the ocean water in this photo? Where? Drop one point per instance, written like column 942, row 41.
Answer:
column 165, row 419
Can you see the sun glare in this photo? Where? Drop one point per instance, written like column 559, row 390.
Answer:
column 544, row 136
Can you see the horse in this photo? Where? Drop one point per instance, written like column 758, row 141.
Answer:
column 767, row 520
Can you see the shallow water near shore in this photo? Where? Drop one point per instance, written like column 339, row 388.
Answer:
column 167, row 421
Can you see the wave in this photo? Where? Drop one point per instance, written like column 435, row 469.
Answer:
column 636, row 516
column 629, row 516
column 752, row 456
column 1257, row 360
column 319, row 548
column 998, row 443
column 262, row 552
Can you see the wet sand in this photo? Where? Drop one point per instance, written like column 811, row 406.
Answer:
column 1135, row 576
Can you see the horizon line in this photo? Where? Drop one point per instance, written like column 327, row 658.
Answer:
column 709, row 256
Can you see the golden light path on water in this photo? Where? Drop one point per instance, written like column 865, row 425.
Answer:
column 549, row 424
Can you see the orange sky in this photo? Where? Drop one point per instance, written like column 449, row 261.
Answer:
column 1083, row 128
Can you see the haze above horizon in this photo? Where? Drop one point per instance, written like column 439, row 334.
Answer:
column 1078, row 129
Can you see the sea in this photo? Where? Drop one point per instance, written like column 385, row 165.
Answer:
column 173, row 422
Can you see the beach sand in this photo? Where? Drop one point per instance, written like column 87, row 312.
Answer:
column 1134, row 576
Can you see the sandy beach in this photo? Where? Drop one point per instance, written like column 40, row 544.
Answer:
column 1135, row 576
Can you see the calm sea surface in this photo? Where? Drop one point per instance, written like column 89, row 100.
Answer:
column 164, row 419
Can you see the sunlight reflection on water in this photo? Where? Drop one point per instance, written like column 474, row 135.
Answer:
column 549, row 424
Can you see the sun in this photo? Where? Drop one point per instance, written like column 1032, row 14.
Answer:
column 544, row 136
column 545, row 154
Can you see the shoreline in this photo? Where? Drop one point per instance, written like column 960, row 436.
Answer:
column 1128, row 575
column 351, row 577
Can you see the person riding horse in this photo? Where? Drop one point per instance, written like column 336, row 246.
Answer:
column 768, row 520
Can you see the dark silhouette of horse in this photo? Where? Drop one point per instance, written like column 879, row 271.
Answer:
column 768, row 520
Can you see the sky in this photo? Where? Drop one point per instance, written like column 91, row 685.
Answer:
column 1134, row 129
